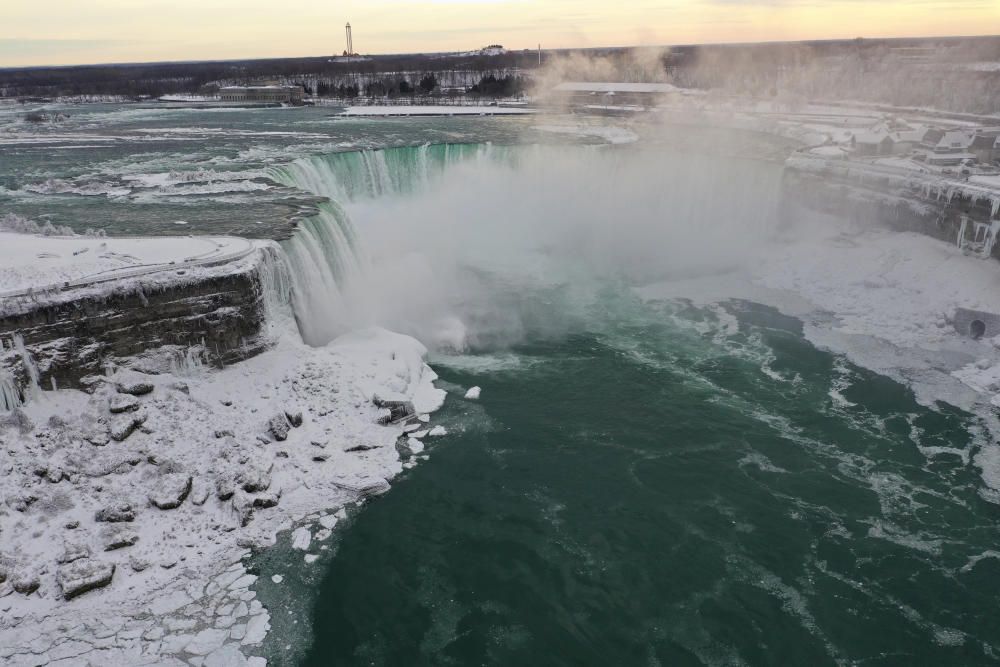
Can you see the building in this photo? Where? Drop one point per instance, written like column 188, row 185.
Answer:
column 932, row 137
column 872, row 143
column 951, row 150
column 905, row 141
column 262, row 94
column 986, row 146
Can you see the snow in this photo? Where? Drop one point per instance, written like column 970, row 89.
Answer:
column 385, row 111
column 30, row 262
column 192, row 603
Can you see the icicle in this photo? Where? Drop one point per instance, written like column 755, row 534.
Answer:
column 10, row 395
column 991, row 239
column 188, row 363
column 961, row 232
column 30, row 368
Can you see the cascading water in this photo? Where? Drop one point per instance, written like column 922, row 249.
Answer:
column 323, row 258
column 460, row 260
column 325, row 255
column 10, row 396
column 349, row 176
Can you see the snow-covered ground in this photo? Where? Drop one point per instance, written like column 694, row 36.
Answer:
column 413, row 110
column 153, row 488
column 41, row 262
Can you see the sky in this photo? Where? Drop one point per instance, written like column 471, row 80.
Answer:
column 60, row 32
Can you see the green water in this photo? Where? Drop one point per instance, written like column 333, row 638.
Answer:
column 661, row 489
column 640, row 484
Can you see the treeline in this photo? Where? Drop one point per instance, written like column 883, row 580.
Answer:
column 489, row 86
column 156, row 79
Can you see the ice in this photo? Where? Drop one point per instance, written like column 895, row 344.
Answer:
column 413, row 110
column 473, row 394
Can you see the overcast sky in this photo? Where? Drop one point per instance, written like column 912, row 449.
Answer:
column 92, row 31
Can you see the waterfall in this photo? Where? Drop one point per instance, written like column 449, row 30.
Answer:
column 324, row 255
column 10, row 395
column 350, row 176
column 323, row 259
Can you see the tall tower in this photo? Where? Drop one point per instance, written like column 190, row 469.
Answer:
column 350, row 41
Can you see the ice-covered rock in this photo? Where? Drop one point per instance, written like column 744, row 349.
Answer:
column 98, row 436
column 294, row 417
column 278, row 427
column 253, row 478
column 170, row 490
column 73, row 551
column 125, row 425
column 80, row 576
column 20, row 502
column 135, row 388
column 121, row 403
column 118, row 537
column 225, row 486
column 398, row 408
column 267, row 500
column 200, row 491
column 473, row 394
column 115, row 512
column 25, row 580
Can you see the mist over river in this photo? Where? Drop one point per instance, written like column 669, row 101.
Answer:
column 644, row 480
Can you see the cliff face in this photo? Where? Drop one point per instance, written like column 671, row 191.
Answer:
column 949, row 212
column 216, row 315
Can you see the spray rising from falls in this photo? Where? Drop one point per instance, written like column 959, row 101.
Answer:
column 325, row 255
column 493, row 248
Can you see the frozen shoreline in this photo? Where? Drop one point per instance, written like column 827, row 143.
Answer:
column 222, row 445
column 884, row 300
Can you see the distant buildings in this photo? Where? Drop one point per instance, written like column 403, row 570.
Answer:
column 933, row 146
column 262, row 94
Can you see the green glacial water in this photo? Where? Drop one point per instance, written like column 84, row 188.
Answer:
column 666, row 488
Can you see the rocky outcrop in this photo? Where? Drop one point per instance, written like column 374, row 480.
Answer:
column 80, row 576
column 170, row 491
column 117, row 512
column 73, row 333
column 125, row 424
column 123, row 403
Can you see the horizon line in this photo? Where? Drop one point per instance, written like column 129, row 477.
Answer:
column 139, row 63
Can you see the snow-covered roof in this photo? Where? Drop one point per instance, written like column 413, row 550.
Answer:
column 954, row 139
column 608, row 87
column 871, row 137
column 915, row 135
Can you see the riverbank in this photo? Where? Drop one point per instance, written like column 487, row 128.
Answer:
column 154, row 487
